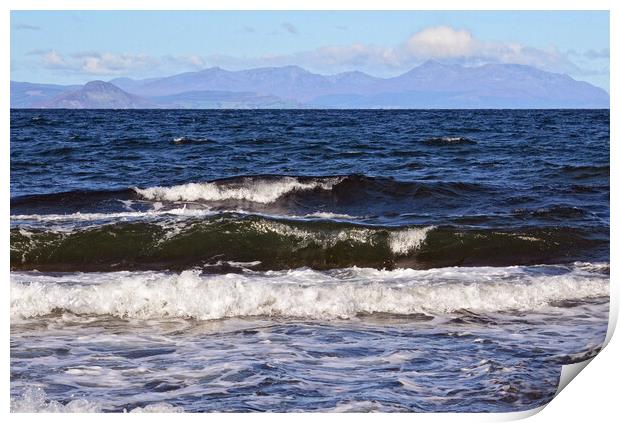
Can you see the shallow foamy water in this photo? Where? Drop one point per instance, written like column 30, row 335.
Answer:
column 476, row 339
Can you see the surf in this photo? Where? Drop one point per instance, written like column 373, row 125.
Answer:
column 303, row 293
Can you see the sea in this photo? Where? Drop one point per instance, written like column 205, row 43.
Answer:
column 305, row 260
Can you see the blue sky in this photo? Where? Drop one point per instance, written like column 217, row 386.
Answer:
column 77, row 46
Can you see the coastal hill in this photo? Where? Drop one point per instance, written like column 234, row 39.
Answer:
column 430, row 85
column 97, row 95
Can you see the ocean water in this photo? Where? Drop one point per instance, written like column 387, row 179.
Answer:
column 174, row 260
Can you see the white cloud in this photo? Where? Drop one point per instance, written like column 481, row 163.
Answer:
column 440, row 42
column 113, row 64
column 461, row 46
column 93, row 63
column 195, row 61
column 53, row 59
column 443, row 43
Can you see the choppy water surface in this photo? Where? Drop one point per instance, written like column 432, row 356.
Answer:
column 305, row 260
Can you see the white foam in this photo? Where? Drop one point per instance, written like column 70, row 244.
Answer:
column 301, row 293
column 362, row 406
column 254, row 190
column 326, row 239
column 160, row 407
column 593, row 267
column 154, row 213
column 34, row 400
column 403, row 242
column 328, row 215
column 400, row 242
column 157, row 211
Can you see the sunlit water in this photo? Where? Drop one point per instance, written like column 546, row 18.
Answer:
column 305, row 260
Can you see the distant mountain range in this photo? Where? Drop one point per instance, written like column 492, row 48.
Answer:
column 430, row 85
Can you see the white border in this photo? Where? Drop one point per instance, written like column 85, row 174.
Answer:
column 310, row 5
column 591, row 397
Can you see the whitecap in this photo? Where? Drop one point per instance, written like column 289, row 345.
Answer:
column 300, row 293
column 406, row 241
column 250, row 189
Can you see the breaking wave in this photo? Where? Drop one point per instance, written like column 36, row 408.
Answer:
column 254, row 189
column 303, row 293
column 282, row 244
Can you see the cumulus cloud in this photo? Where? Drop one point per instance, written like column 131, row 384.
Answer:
column 443, row 43
column 53, row 59
column 446, row 44
column 94, row 63
column 440, row 42
column 113, row 64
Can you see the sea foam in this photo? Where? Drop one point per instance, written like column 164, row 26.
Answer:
column 249, row 189
column 129, row 215
column 35, row 400
column 301, row 293
column 403, row 242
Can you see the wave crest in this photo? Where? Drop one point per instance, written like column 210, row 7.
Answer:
column 301, row 293
column 253, row 189
column 281, row 244
column 408, row 240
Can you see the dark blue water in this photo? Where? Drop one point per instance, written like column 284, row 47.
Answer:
column 530, row 158
column 330, row 235
column 533, row 183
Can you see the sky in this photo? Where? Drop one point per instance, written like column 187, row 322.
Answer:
column 73, row 47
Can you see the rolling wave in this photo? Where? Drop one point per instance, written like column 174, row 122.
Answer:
column 303, row 293
column 260, row 189
column 281, row 244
